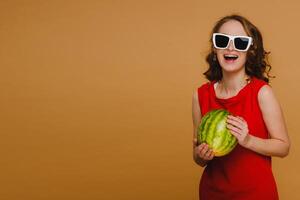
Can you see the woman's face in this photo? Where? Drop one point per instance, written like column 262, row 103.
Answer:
column 228, row 64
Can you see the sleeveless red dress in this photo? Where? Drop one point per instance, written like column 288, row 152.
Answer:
column 242, row 174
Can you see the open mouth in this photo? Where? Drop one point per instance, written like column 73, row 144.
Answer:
column 230, row 57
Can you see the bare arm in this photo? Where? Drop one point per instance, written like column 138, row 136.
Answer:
column 201, row 154
column 278, row 144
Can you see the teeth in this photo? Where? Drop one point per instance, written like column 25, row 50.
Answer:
column 230, row 56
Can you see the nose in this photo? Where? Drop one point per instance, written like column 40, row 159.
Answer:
column 230, row 46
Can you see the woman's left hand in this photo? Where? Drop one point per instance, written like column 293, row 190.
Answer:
column 239, row 128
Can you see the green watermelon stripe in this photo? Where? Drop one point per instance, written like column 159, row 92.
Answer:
column 216, row 136
column 230, row 144
column 227, row 138
column 227, row 142
column 203, row 126
column 208, row 128
column 222, row 134
column 201, row 136
column 230, row 147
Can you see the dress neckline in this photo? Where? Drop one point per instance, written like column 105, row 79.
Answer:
column 235, row 97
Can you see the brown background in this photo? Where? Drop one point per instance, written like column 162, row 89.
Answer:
column 95, row 96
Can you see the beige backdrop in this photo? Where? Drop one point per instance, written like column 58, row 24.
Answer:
column 95, row 96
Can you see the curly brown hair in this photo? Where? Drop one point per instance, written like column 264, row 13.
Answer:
column 256, row 65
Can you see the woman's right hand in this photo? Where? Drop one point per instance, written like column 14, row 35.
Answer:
column 203, row 152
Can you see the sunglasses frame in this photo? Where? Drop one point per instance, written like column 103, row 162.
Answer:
column 232, row 38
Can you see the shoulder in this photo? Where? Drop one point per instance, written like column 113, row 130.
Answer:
column 204, row 87
column 265, row 93
column 267, row 99
column 263, row 89
column 201, row 90
column 258, row 83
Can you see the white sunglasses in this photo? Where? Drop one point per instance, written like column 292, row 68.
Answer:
column 240, row 42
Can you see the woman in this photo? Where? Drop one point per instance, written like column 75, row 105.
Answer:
column 238, row 75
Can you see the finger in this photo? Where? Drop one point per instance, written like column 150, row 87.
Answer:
column 243, row 121
column 241, row 118
column 208, row 153
column 236, row 135
column 234, row 128
column 201, row 146
column 236, row 120
column 234, row 117
column 234, row 123
column 210, row 156
column 198, row 148
column 204, row 150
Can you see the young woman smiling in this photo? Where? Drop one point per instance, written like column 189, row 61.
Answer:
column 238, row 77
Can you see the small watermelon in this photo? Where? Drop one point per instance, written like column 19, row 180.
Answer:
column 213, row 131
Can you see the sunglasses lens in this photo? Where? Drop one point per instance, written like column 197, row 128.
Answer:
column 221, row 41
column 241, row 43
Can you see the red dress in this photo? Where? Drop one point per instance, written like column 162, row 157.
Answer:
column 242, row 174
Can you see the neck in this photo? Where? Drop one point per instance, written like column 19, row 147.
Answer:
column 232, row 83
